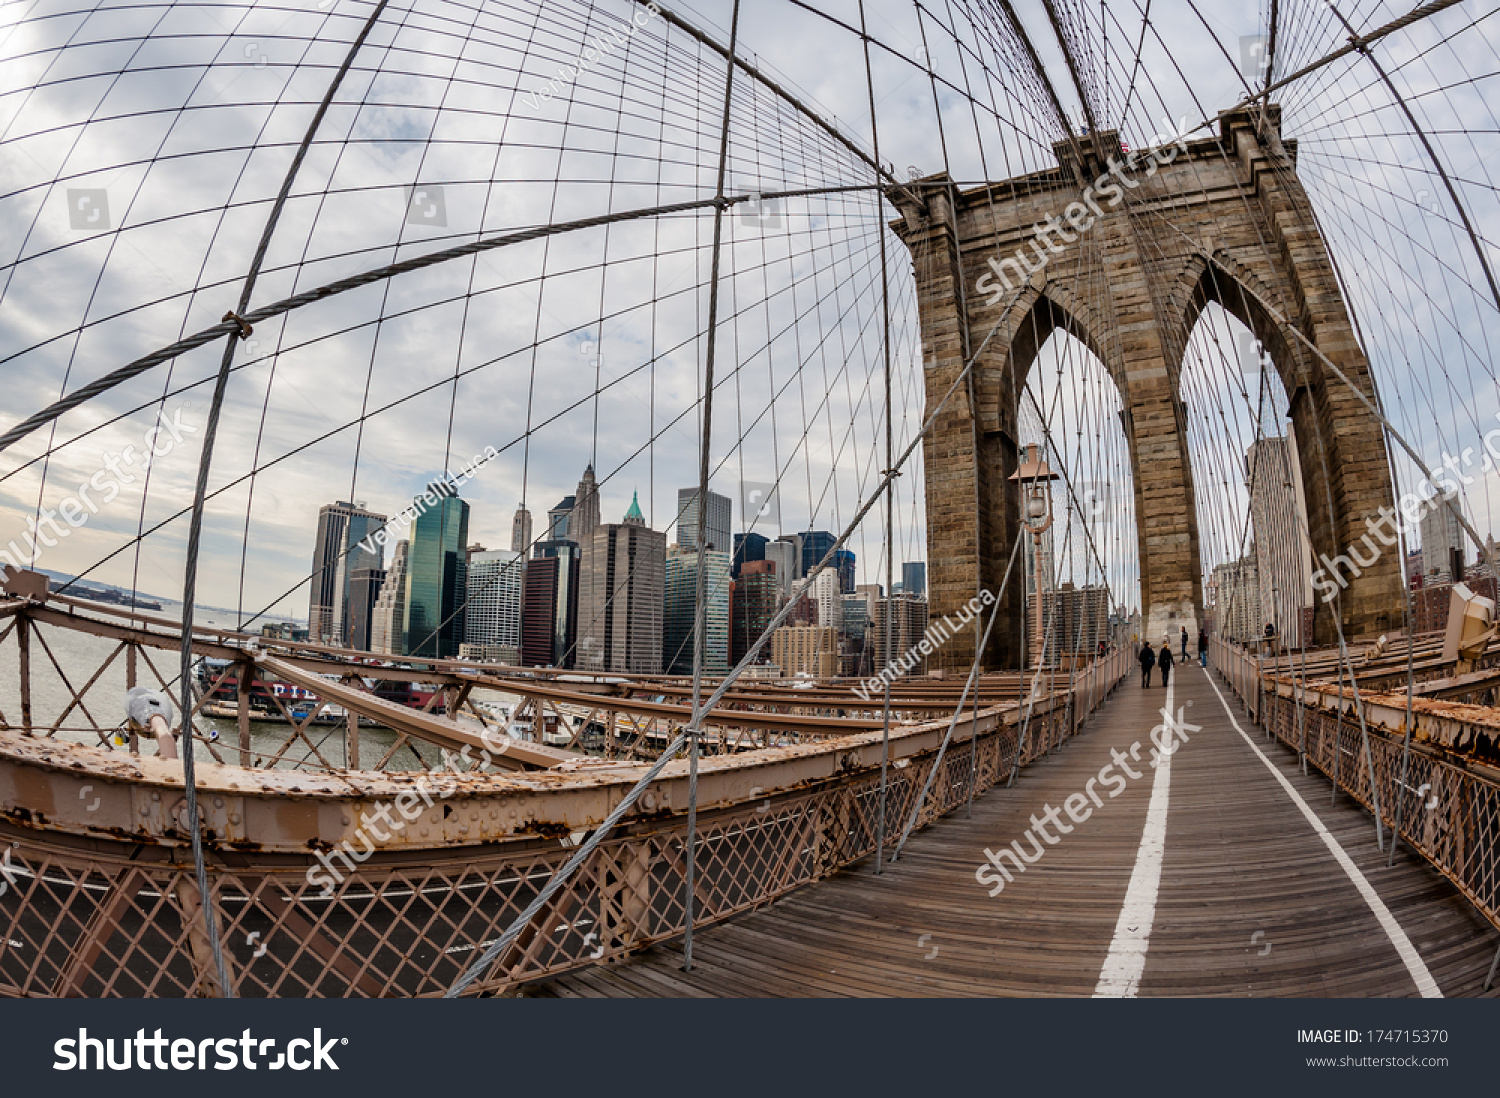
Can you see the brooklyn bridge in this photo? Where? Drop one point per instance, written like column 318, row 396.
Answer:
column 1058, row 455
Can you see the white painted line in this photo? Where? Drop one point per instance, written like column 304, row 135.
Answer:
column 1121, row 976
column 1408, row 952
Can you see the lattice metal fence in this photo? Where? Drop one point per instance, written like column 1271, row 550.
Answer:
column 93, row 919
column 1449, row 807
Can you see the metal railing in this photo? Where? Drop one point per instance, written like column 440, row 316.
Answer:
column 1449, row 803
column 84, row 914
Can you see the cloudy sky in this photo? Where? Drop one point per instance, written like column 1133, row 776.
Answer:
column 143, row 146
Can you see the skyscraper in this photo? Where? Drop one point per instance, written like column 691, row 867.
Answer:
column 549, row 607
column 806, row 650
column 364, row 591
column 680, row 610
column 559, row 520
column 1283, row 553
column 520, row 531
column 843, row 564
column 436, row 579
column 1442, row 544
column 914, row 577
column 715, row 523
column 390, row 608
column 1080, row 619
column 585, row 518
column 747, row 547
column 825, row 591
column 908, row 624
column 493, row 615
column 753, row 602
column 814, row 546
column 783, row 554
column 1235, row 597
column 620, row 598
column 340, row 549
column 853, row 635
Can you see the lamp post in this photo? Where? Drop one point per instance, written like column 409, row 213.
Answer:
column 1034, row 477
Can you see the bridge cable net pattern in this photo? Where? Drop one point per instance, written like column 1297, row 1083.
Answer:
column 454, row 236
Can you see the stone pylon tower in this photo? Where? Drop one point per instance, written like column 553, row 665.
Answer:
column 1222, row 219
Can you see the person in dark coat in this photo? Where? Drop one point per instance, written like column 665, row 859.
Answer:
column 1184, row 644
column 1148, row 661
column 1164, row 661
column 1203, row 648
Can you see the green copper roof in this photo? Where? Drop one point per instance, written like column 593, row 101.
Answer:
column 635, row 509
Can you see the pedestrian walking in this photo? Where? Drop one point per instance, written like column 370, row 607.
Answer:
column 1164, row 661
column 1148, row 661
column 1203, row 648
column 1184, row 644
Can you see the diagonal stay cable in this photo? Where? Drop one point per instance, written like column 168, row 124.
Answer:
column 553, row 886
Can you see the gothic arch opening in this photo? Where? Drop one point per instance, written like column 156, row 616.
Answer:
column 1047, row 384
column 1090, row 561
column 1323, row 460
column 1253, row 533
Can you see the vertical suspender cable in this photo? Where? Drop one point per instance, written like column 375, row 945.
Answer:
column 890, row 487
column 195, row 523
column 699, row 616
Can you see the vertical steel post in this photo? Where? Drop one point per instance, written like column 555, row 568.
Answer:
column 699, row 610
column 23, row 639
column 351, row 728
column 242, row 709
column 130, row 661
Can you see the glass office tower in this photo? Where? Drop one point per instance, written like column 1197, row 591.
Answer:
column 436, row 575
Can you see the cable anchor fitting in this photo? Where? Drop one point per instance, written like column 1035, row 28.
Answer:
column 244, row 325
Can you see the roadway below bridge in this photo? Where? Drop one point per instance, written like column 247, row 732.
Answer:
column 1223, row 872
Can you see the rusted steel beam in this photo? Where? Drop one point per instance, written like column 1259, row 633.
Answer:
column 439, row 730
column 1457, row 727
column 351, row 729
column 107, row 919
column 299, row 732
column 244, row 684
column 77, row 700
column 682, row 713
column 142, row 637
column 293, row 812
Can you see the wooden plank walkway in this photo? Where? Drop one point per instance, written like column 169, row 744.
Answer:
column 1250, row 902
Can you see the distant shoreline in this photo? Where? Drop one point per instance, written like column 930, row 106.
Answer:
column 109, row 594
